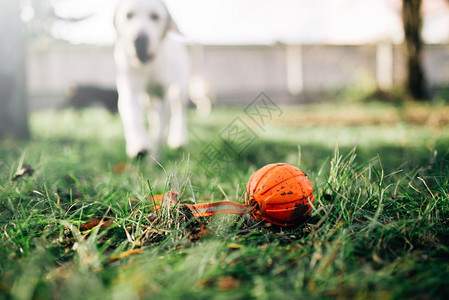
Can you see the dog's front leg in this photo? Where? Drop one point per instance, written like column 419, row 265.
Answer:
column 158, row 118
column 177, row 98
column 132, row 115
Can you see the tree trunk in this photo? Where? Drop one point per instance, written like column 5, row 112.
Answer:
column 412, row 19
column 13, row 87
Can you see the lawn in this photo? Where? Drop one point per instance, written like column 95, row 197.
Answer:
column 76, row 222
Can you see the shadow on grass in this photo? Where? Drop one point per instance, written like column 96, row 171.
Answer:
column 312, row 156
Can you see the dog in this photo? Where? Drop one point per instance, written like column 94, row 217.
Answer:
column 152, row 77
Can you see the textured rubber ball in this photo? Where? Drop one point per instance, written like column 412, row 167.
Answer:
column 282, row 194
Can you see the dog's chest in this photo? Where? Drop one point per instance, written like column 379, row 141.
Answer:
column 158, row 71
column 155, row 89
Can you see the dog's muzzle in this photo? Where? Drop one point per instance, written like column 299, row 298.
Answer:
column 141, row 45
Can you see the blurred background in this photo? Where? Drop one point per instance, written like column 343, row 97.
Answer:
column 297, row 51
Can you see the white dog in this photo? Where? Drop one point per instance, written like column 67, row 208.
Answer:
column 152, row 76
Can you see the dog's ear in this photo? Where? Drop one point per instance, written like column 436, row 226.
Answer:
column 118, row 7
column 171, row 24
column 114, row 20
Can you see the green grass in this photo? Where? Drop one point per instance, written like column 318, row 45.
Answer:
column 379, row 227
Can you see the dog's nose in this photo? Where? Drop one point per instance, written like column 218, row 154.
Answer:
column 141, row 44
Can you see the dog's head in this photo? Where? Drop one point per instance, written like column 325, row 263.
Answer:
column 141, row 26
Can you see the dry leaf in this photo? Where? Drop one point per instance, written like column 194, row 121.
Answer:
column 205, row 283
column 234, row 246
column 226, row 283
column 120, row 168
column 94, row 223
column 198, row 233
column 152, row 217
column 26, row 170
column 223, row 283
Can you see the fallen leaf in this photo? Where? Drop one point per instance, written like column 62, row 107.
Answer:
column 94, row 223
column 198, row 233
column 226, row 283
column 120, row 168
column 152, row 217
column 26, row 170
column 223, row 283
column 234, row 246
column 377, row 258
column 205, row 283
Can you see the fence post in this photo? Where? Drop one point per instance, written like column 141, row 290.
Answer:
column 295, row 80
column 384, row 72
column 13, row 91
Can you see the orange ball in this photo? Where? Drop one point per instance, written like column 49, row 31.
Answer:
column 281, row 194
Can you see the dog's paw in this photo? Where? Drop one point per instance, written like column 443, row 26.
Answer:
column 176, row 142
column 137, row 152
column 141, row 154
